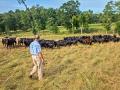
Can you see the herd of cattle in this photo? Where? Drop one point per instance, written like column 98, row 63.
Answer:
column 67, row 41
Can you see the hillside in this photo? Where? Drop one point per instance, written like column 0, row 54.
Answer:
column 81, row 67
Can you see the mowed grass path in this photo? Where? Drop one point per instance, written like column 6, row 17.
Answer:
column 81, row 67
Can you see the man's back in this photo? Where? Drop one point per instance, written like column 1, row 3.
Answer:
column 35, row 48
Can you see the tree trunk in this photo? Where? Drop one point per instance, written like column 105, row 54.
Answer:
column 31, row 17
column 72, row 28
column 82, row 29
column 106, row 32
column 113, row 32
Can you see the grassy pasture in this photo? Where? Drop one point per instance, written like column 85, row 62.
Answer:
column 80, row 67
column 93, row 29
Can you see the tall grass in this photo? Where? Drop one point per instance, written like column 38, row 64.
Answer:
column 80, row 67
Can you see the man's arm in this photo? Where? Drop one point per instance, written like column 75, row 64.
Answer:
column 31, row 48
column 40, row 53
column 41, row 56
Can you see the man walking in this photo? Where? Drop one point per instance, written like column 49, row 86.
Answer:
column 38, row 60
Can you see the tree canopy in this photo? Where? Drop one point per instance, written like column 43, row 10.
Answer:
column 38, row 18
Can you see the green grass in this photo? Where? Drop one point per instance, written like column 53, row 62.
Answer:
column 94, row 29
column 81, row 67
column 97, row 26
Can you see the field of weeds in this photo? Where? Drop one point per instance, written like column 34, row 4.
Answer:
column 81, row 67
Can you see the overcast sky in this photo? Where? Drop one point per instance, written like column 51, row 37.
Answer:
column 95, row 5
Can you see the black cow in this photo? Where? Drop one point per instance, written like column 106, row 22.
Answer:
column 9, row 42
column 27, row 41
column 85, row 40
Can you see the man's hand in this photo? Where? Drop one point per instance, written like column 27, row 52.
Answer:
column 43, row 62
column 42, row 59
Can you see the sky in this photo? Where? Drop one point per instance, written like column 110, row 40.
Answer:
column 95, row 5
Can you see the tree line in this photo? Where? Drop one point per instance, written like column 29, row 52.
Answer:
column 38, row 18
